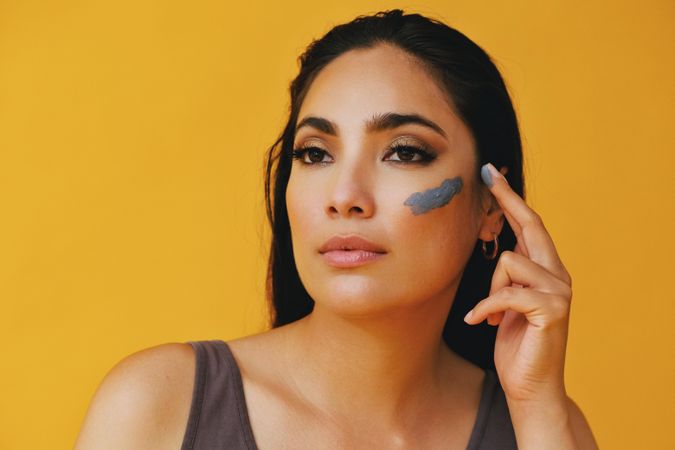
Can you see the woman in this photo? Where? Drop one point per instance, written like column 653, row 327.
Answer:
column 390, row 223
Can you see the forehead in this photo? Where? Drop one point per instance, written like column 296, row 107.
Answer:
column 363, row 82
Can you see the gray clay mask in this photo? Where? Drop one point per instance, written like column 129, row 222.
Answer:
column 422, row 202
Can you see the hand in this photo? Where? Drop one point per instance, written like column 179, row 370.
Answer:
column 529, row 301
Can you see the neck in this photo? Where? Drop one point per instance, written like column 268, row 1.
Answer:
column 392, row 366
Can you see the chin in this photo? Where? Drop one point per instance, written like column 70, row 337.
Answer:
column 354, row 309
column 352, row 297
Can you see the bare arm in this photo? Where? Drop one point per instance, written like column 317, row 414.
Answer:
column 142, row 403
column 580, row 427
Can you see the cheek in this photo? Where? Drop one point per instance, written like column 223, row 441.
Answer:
column 434, row 227
column 301, row 204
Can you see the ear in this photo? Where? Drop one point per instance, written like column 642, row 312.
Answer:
column 493, row 220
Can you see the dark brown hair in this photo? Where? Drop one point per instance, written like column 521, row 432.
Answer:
column 477, row 93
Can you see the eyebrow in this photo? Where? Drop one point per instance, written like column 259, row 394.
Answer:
column 378, row 122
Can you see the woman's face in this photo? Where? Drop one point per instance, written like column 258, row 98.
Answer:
column 425, row 214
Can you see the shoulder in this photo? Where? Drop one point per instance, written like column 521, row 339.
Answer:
column 143, row 401
column 580, row 427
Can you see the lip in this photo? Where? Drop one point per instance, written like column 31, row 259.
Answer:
column 350, row 251
column 350, row 258
column 350, row 242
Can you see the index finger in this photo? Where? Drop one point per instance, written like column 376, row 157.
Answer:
column 525, row 222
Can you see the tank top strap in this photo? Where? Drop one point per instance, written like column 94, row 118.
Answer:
column 218, row 415
column 493, row 427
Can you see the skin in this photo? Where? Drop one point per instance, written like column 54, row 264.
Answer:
column 375, row 333
column 360, row 193
column 374, row 336
column 372, row 346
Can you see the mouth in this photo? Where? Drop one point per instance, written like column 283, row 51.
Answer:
column 351, row 242
column 350, row 258
column 344, row 251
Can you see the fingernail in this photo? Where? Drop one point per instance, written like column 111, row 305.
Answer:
column 497, row 173
column 488, row 172
column 486, row 175
column 468, row 316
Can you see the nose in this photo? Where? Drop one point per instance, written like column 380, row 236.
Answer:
column 350, row 192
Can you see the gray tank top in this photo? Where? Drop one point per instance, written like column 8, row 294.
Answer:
column 219, row 418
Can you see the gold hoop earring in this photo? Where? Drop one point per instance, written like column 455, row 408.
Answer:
column 494, row 250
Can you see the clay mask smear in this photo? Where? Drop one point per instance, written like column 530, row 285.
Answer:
column 421, row 202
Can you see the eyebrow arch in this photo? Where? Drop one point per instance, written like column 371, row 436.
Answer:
column 378, row 122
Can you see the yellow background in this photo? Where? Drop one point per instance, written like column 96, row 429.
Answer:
column 132, row 136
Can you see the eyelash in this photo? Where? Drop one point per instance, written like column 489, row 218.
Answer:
column 426, row 156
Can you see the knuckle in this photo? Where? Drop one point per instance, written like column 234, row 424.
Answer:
column 507, row 292
column 507, row 257
column 560, row 307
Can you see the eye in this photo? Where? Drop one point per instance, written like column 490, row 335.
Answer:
column 408, row 152
column 315, row 155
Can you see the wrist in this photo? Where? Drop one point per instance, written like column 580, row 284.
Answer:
column 554, row 398
column 542, row 423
